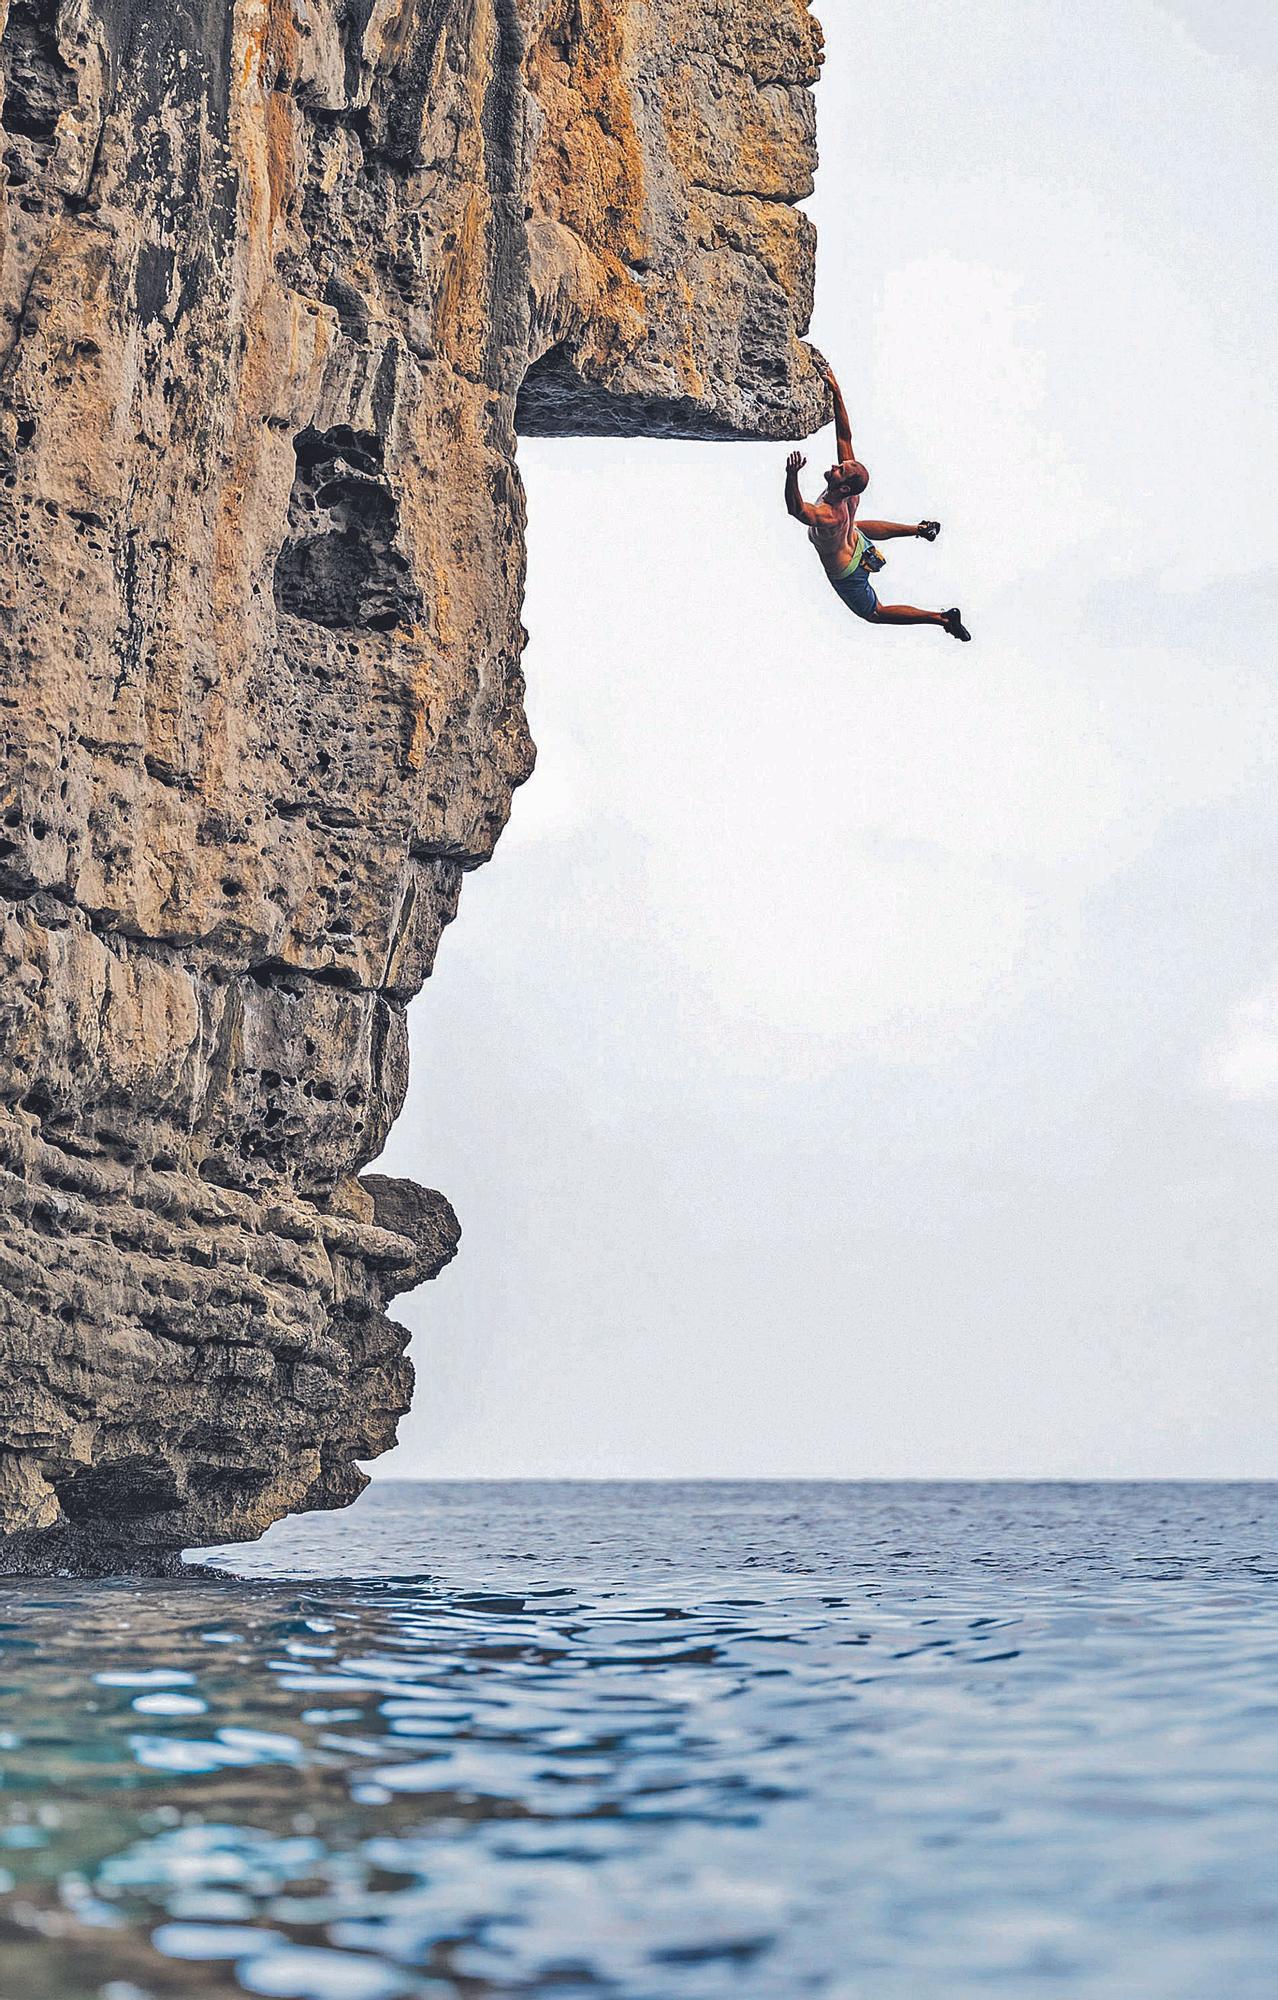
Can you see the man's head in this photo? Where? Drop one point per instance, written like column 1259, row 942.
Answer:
column 846, row 482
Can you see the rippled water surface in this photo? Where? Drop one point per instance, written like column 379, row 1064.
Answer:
column 649, row 1741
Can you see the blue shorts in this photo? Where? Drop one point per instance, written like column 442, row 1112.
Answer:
column 857, row 591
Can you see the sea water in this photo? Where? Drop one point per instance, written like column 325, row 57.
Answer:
column 660, row 1742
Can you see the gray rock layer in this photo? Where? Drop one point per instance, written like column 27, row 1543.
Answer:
column 279, row 282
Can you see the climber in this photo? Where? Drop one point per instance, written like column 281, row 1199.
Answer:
column 846, row 546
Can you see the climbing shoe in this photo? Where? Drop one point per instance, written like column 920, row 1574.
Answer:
column 954, row 624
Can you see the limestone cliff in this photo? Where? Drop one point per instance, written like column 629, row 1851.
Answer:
column 280, row 280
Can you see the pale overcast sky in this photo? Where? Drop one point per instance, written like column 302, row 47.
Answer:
column 861, row 1058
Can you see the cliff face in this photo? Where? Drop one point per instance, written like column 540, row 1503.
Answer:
column 279, row 281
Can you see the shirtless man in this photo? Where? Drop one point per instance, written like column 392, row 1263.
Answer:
column 845, row 545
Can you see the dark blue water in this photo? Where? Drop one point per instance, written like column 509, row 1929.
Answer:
column 863, row 1742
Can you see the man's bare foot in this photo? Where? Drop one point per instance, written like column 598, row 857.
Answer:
column 954, row 624
column 929, row 530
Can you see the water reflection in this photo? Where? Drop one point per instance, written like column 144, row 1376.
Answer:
column 821, row 1741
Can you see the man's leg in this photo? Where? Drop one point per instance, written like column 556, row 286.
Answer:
column 906, row 614
column 909, row 614
column 892, row 531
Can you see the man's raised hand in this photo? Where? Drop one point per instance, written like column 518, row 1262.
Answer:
column 795, row 462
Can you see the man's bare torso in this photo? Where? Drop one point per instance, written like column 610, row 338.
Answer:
column 833, row 534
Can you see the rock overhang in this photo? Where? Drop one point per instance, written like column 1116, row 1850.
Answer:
column 280, row 282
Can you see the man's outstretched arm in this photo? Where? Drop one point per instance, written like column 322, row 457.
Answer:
column 842, row 422
column 795, row 504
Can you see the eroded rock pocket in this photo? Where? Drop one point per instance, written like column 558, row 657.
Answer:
column 37, row 85
column 340, row 566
